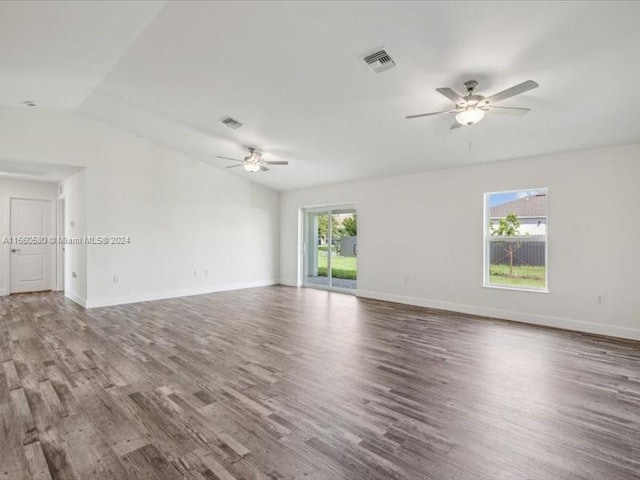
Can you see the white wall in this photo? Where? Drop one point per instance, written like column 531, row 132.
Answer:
column 74, row 193
column 420, row 238
column 193, row 229
column 181, row 214
column 10, row 188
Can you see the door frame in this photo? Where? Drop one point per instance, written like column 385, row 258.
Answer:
column 60, row 220
column 52, row 225
column 302, row 263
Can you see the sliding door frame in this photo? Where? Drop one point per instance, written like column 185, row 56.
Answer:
column 304, row 247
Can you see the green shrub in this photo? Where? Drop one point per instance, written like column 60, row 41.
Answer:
column 339, row 273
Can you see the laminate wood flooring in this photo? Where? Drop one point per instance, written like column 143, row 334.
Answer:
column 281, row 383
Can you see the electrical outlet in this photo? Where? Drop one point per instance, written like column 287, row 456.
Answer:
column 74, row 275
column 406, row 280
column 195, row 273
column 600, row 298
column 116, row 280
column 206, row 272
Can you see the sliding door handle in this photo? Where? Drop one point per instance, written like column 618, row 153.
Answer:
column 15, row 250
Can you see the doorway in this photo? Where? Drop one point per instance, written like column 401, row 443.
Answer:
column 31, row 253
column 331, row 248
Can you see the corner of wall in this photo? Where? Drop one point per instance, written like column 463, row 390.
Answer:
column 76, row 299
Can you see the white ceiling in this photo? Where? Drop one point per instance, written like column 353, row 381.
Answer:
column 56, row 53
column 290, row 71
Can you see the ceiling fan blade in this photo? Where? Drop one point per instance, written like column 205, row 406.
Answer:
column 512, row 92
column 509, row 110
column 276, row 162
column 455, row 125
column 428, row 114
column 227, row 158
column 234, row 166
column 263, row 168
column 450, row 94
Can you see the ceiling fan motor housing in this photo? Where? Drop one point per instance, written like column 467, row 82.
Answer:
column 470, row 85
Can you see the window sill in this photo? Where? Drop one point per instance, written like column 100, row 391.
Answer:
column 518, row 289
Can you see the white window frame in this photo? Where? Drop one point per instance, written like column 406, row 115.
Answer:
column 487, row 242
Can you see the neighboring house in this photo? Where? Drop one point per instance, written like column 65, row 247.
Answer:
column 531, row 212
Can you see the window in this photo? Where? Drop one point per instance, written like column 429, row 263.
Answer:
column 516, row 239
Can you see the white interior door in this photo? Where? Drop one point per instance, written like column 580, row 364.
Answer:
column 30, row 263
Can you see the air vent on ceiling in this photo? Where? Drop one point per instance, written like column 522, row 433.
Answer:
column 231, row 123
column 379, row 61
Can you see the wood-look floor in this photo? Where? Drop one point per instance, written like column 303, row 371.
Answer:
column 281, row 383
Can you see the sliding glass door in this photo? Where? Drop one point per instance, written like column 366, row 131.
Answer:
column 331, row 248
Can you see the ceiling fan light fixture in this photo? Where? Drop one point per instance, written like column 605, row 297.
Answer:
column 470, row 116
column 251, row 167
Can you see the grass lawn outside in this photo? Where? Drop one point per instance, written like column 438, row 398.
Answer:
column 523, row 276
column 341, row 267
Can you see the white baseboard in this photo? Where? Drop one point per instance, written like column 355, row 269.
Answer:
column 289, row 282
column 187, row 292
column 75, row 298
column 543, row 320
column 4, row 293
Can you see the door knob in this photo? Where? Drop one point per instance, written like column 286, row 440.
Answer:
column 15, row 250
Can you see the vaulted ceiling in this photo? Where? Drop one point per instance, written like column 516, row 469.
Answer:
column 291, row 73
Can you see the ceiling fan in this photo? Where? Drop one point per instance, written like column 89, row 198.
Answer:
column 254, row 162
column 472, row 108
